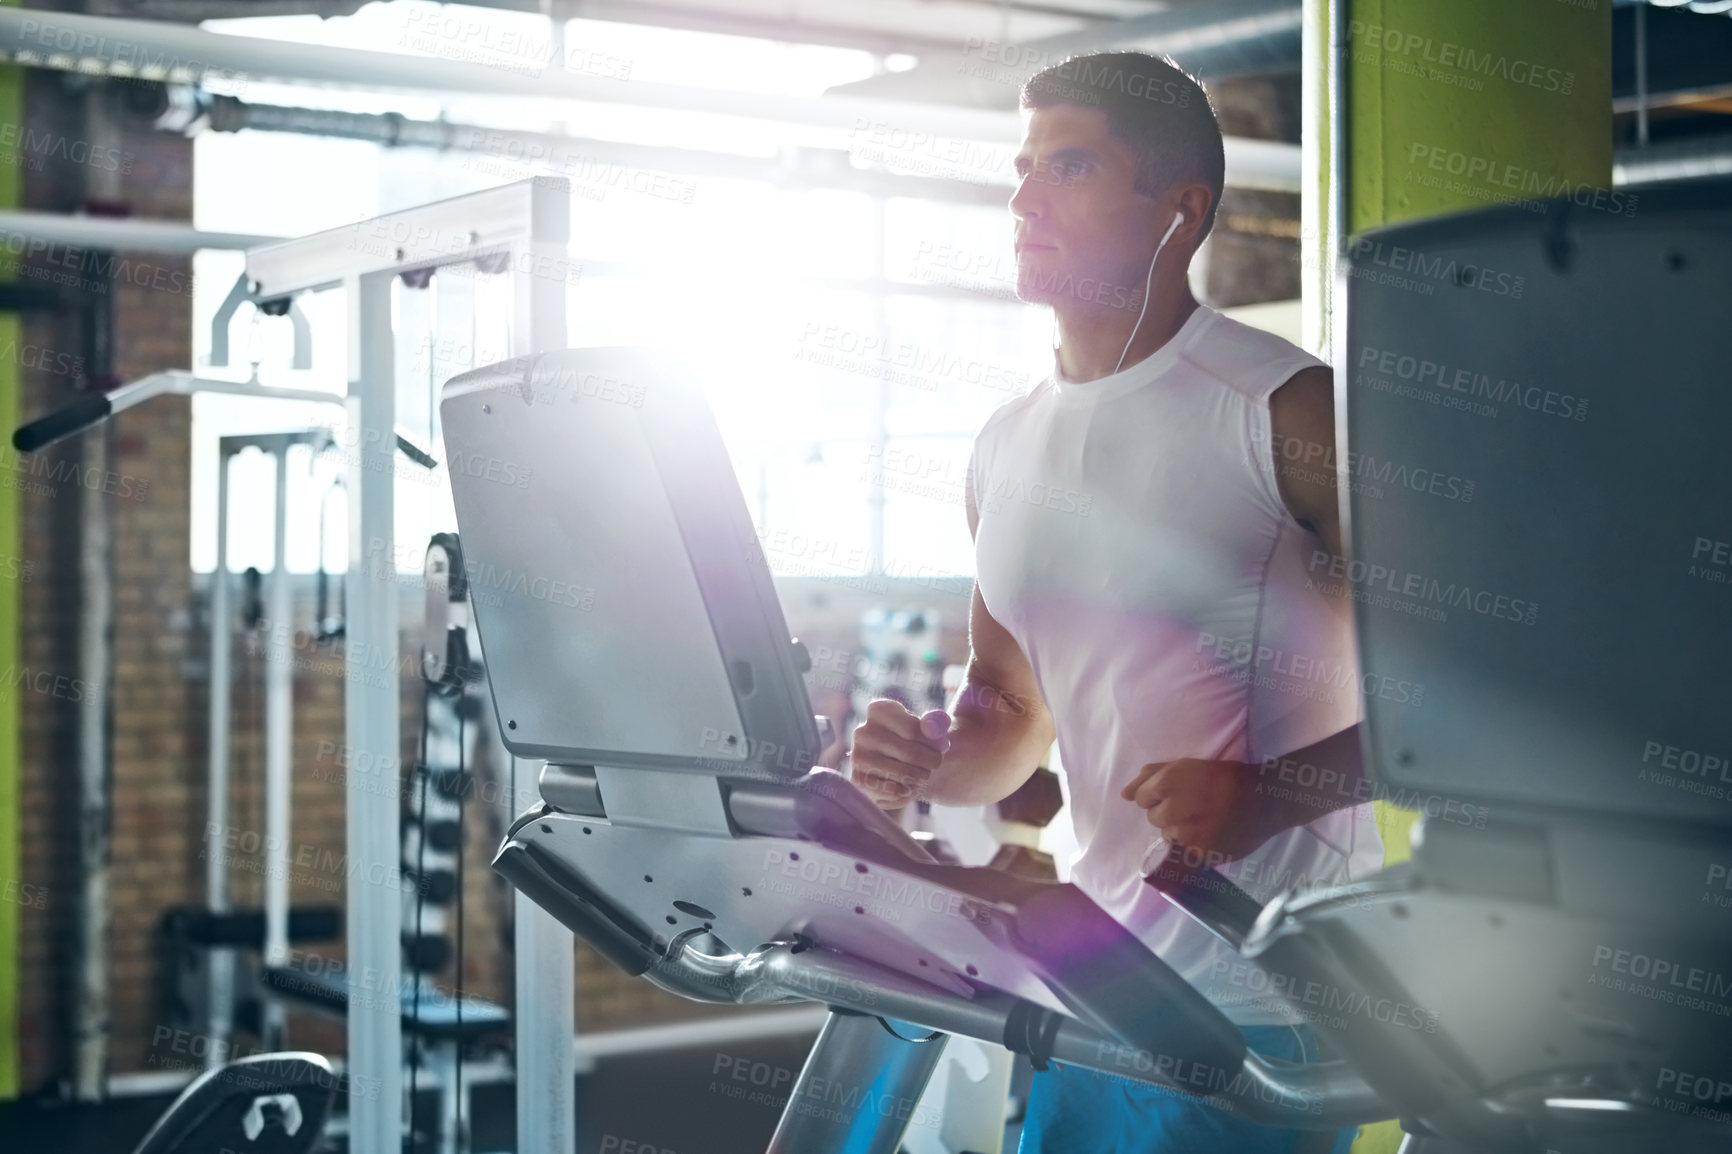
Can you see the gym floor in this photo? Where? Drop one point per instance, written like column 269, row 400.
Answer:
column 626, row 1099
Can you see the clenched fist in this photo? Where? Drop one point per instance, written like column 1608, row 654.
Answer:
column 1211, row 806
column 895, row 752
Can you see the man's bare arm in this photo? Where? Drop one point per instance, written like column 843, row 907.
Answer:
column 1231, row 807
column 1302, row 423
column 999, row 726
column 1302, row 419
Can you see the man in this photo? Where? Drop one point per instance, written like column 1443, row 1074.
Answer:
column 1178, row 630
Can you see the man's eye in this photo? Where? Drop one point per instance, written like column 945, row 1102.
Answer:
column 1063, row 171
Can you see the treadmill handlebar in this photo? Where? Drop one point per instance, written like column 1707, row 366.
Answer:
column 1211, row 900
column 62, row 423
column 1313, row 1096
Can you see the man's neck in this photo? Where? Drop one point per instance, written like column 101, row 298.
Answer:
column 1092, row 339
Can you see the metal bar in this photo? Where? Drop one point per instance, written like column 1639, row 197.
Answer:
column 121, row 234
column 1314, row 280
column 880, row 1077
column 95, row 723
column 1641, row 76
column 546, row 999
column 153, row 50
column 1218, row 39
column 374, row 915
column 279, row 705
column 221, row 960
column 448, row 232
column 1249, row 163
column 702, row 1032
column 1694, row 159
column 179, row 382
column 1315, row 1096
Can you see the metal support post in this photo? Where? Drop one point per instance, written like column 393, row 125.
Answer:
column 279, row 690
column 546, row 1005
column 374, row 925
column 859, row 1086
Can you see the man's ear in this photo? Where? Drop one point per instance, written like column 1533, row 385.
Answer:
column 1195, row 200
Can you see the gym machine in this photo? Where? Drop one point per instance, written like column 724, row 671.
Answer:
column 685, row 832
column 1569, row 624
column 520, row 231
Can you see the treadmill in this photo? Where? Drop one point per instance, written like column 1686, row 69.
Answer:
column 1575, row 974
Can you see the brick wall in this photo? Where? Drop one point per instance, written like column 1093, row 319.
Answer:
column 149, row 475
column 1254, row 248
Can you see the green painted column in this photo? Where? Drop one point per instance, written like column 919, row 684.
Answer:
column 1456, row 104
column 1463, row 104
column 12, row 569
column 1450, row 105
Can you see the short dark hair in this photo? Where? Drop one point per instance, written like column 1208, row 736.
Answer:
column 1154, row 108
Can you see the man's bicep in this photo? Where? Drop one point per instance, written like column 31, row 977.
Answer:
column 1000, row 662
column 1302, row 424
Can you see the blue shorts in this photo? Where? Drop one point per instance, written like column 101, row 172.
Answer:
column 1073, row 1110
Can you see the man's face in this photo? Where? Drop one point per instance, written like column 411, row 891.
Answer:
column 1082, row 232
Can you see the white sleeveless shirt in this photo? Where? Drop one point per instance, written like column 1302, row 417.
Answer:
column 1133, row 541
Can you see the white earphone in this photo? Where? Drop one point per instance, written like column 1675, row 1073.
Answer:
column 1178, row 219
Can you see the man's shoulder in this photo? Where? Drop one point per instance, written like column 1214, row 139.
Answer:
column 1252, row 361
